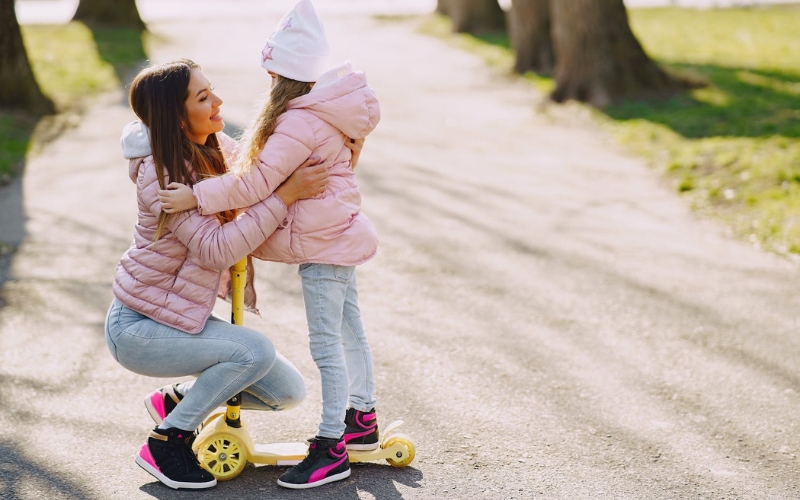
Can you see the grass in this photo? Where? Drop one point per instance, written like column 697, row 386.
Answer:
column 71, row 62
column 732, row 148
column 15, row 133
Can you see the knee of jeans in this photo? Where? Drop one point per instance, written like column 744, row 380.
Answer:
column 293, row 398
column 259, row 353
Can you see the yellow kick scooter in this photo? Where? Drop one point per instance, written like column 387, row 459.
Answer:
column 224, row 445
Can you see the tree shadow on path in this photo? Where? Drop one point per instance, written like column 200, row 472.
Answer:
column 379, row 480
column 19, row 476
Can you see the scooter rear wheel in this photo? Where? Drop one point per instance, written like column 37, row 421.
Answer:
column 223, row 456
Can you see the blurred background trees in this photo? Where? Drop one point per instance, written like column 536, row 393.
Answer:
column 598, row 59
column 48, row 72
column 586, row 45
column 530, row 35
column 109, row 13
column 18, row 87
column 473, row 16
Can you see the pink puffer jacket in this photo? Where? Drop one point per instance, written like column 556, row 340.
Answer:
column 175, row 280
column 327, row 229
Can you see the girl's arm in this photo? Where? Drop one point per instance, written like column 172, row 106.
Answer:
column 179, row 197
column 218, row 245
column 286, row 149
column 221, row 245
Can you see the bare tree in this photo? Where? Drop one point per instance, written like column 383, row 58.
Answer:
column 118, row 13
column 18, row 86
column 476, row 16
column 529, row 32
column 598, row 59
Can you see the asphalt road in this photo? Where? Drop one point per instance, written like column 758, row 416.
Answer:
column 548, row 318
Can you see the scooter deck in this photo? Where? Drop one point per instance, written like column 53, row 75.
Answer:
column 278, row 453
column 224, row 450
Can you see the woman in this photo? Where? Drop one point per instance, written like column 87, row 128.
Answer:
column 166, row 284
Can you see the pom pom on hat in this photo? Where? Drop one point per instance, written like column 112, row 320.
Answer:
column 298, row 49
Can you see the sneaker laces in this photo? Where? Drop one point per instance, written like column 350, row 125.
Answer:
column 182, row 454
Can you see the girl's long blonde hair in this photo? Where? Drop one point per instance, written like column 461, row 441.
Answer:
column 284, row 90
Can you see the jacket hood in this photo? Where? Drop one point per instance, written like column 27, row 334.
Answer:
column 135, row 140
column 342, row 98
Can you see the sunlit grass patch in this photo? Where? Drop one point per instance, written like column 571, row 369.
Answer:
column 15, row 133
column 732, row 148
column 71, row 62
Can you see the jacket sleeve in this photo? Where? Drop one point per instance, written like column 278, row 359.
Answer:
column 217, row 245
column 286, row 149
column 221, row 245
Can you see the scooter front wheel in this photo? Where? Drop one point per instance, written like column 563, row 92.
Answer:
column 223, row 455
column 405, row 451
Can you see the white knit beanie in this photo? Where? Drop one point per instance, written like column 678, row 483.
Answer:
column 298, row 49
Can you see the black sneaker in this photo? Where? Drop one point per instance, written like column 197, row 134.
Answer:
column 161, row 402
column 361, row 431
column 325, row 463
column 168, row 456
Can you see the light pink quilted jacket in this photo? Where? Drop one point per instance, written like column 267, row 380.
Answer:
column 327, row 229
column 175, row 280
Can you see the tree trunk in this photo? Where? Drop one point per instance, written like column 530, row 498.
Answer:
column 476, row 16
column 443, row 7
column 18, row 87
column 598, row 59
column 529, row 32
column 112, row 13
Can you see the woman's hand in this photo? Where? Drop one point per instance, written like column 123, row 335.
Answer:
column 176, row 198
column 355, row 146
column 307, row 181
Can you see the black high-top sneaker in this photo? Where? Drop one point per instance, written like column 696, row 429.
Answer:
column 168, row 456
column 361, row 431
column 325, row 463
column 161, row 402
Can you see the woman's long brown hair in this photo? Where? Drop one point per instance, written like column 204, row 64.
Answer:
column 285, row 90
column 158, row 97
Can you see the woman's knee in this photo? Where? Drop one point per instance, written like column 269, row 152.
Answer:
column 286, row 384
column 295, row 394
column 257, row 351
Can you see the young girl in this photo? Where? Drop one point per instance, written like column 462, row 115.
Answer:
column 312, row 112
column 166, row 284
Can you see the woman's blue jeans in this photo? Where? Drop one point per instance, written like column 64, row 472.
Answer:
column 338, row 344
column 225, row 358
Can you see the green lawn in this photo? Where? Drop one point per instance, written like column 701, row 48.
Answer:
column 732, row 148
column 71, row 63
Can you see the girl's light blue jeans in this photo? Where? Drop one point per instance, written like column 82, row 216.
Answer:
column 225, row 358
column 338, row 344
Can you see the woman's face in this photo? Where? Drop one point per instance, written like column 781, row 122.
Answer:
column 202, row 109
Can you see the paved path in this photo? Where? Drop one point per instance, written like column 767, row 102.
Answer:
column 547, row 317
